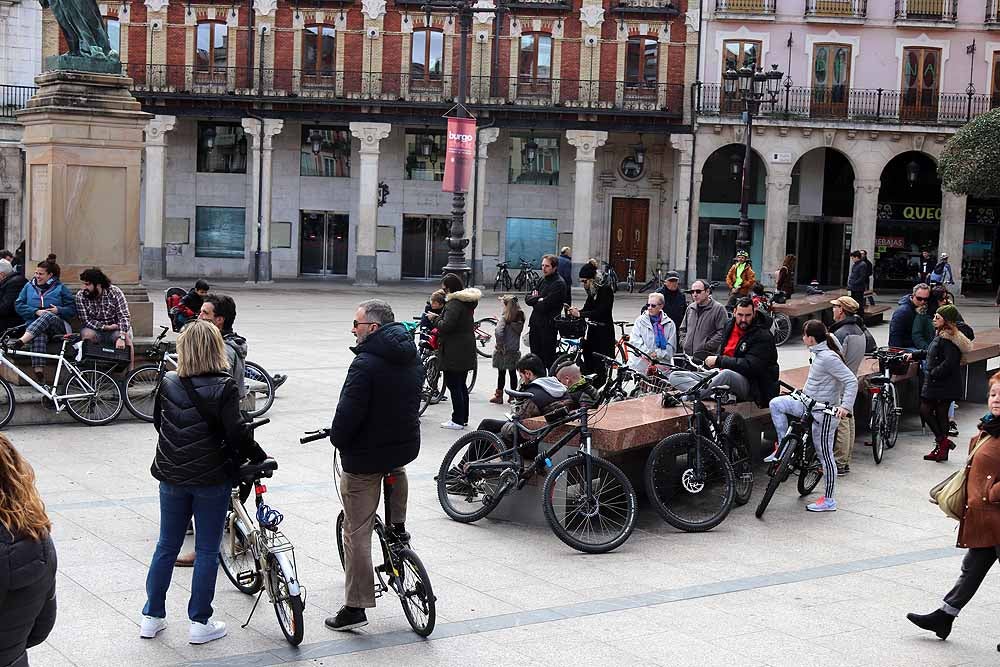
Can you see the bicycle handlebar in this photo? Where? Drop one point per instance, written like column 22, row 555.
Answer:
column 315, row 435
column 811, row 403
column 258, row 423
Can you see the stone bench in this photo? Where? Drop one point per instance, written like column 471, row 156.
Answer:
column 807, row 305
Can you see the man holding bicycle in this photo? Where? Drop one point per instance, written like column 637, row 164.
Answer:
column 376, row 430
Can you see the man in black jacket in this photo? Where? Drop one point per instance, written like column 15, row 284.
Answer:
column 546, row 303
column 377, row 431
column 11, row 283
column 674, row 301
column 857, row 281
column 598, row 311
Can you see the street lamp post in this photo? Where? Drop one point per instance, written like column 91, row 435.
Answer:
column 749, row 87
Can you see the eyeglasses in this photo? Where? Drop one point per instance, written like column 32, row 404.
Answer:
column 358, row 324
column 653, row 305
column 920, row 298
column 696, row 291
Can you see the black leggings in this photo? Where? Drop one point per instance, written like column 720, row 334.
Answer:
column 459, row 392
column 935, row 415
column 502, row 377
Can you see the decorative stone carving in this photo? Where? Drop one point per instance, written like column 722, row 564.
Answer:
column 156, row 5
column 587, row 142
column 592, row 16
column 869, row 186
column 373, row 9
column 692, row 19
column 486, row 137
column 779, row 182
column 918, row 141
column 157, row 128
column 484, row 17
column 252, row 128
column 370, row 135
column 828, row 137
column 265, row 7
column 681, row 142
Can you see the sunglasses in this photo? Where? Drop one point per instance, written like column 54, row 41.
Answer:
column 358, row 324
column 920, row 298
column 696, row 291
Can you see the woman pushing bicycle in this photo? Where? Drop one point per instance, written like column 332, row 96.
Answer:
column 830, row 381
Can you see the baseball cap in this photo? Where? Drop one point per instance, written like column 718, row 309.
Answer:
column 847, row 303
column 671, row 275
column 742, row 253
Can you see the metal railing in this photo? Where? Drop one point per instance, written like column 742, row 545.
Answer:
column 992, row 6
column 403, row 88
column 857, row 9
column 745, row 6
column 861, row 106
column 927, row 10
column 13, row 98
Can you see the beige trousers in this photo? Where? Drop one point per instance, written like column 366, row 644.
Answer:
column 361, row 494
column 843, row 442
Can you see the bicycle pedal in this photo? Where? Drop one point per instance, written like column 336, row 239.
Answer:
column 246, row 577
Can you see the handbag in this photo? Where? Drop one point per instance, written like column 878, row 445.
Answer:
column 949, row 493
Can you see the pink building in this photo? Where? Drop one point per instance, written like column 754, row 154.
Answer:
column 845, row 155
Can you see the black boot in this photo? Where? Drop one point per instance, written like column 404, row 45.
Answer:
column 938, row 621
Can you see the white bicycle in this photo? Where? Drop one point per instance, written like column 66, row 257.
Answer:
column 91, row 396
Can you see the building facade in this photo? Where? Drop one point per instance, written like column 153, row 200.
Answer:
column 314, row 132
column 845, row 156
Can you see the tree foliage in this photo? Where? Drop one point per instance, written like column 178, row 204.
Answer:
column 970, row 161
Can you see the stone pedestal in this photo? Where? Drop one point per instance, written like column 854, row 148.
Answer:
column 83, row 139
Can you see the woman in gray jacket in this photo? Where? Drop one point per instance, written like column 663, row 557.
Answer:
column 830, row 381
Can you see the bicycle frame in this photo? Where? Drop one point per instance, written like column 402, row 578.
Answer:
column 61, row 361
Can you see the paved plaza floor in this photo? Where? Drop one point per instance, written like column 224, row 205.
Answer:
column 794, row 589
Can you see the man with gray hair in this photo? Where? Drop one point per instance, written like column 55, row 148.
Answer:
column 377, row 431
column 11, row 283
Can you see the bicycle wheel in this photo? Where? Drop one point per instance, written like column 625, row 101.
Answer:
column 878, row 428
column 469, row 496
column 287, row 607
column 630, row 283
column 104, row 402
column 236, row 558
column 810, row 472
column 891, row 416
column 612, row 279
column 141, row 386
column 430, row 391
column 689, row 496
column 486, row 340
column 7, row 403
column 562, row 360
column 415, row 593
column 519, row 281
column 781, row 328
column 533, row 281
column 778, row 473
column 593, row 516
column 734, row 433
column 507, row 282
column 470, row 379
column 498, row 282
column 260, row 384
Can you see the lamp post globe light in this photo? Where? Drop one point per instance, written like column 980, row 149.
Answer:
column 752, row 88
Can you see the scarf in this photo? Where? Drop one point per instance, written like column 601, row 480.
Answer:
column 990, row 425
column 659, row 335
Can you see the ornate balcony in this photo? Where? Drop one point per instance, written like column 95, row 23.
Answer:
column 744, row 8
column 993, row 14
column 927, row 11
column 836, row 9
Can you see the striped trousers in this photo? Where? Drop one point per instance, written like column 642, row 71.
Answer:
column 824, row 428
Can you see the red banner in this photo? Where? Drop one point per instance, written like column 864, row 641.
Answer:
column 459, row 154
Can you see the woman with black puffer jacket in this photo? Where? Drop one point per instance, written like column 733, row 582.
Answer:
column 27, row 561
column 202, row 438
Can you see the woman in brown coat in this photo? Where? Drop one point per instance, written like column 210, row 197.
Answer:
column 979, row 530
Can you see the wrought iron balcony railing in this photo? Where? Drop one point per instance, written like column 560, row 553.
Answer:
column 855, row 9
column 748, row 7
column 859, row 106
column 992, row 8
column 404, row 89
column 927, row 10
column 13, row 98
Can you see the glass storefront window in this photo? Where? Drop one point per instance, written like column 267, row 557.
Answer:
column 325, row 151
column 530, row 238
column 425, row 156
column 980, row 261
column 219, row 232
column 900, row 237
column 537, row 166
column 222, row 148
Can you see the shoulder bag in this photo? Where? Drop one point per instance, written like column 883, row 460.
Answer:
column 949, row 493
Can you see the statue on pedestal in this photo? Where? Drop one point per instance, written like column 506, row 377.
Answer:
column 89, row 48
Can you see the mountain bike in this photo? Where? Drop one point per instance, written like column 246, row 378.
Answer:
column 91, row 396
column 656, row 281
column 884, row 424
column 610, row 275
column 588, row 502
column 630, row 275
column 781, row 324
column 143, row 383
column 503, row 280
column 623, row 383
column 257, row 557
column 397, row 566
column 796, row 451
column 527, row 279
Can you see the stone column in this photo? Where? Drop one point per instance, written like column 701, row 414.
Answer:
column 153, row 259
column 951, row 238
column 865, row 215
column 260, row 223
column 370, row 134
column 587, row 142
column 486, row 137
column 692, row 244
column 682, row 144
column 775, row 227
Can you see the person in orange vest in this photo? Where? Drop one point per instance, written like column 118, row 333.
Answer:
column 740, row 278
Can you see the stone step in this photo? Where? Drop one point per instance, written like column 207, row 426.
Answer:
column 29, row 411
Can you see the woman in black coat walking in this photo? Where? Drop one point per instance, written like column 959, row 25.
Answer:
column 598, row 310
column 457, row 345
column 27, row 561
column 943, row 379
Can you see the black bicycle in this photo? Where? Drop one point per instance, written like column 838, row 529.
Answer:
column 796, row 451
column 503, row 281
column 588, row 502
column 884, row 425
column 610, row 275
column 527, row 279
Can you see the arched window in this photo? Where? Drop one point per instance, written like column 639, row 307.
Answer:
column 211, row 49
column 535, row 60
column 426, row 56
column 319, row 52
column 642, row 59
column 114, row 33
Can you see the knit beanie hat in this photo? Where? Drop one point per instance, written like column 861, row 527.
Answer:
column 588, row 271
column 949, row 313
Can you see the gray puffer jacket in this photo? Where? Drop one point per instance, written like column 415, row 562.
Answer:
column 830, row 380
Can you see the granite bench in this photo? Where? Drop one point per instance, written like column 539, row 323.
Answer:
column 806, row 305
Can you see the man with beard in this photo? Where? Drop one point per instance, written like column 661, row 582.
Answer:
column 598, row 311
column 748, row 358
column 103, row 310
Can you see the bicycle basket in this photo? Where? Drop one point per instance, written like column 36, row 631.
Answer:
column 571, row 327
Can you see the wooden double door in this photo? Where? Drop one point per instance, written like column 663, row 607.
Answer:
column 629, row 235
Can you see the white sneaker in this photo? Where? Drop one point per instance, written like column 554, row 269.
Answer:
column 151, row 626
column 452, row 425
column 202, row 633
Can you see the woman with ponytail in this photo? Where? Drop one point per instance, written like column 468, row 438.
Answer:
column 830, row 381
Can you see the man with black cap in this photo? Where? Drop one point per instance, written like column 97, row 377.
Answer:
column 674, row 302
column 598, row 311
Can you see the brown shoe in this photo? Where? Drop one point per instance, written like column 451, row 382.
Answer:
column 939, row 453
column 185, row 560
column 497, row 398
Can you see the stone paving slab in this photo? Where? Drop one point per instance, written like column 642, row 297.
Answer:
column 794, row 589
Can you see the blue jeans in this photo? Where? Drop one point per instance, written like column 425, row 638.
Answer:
column 208, row 505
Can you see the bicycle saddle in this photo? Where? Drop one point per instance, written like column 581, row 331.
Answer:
column 518, row 394
column 253, row 471
column 720, row 389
